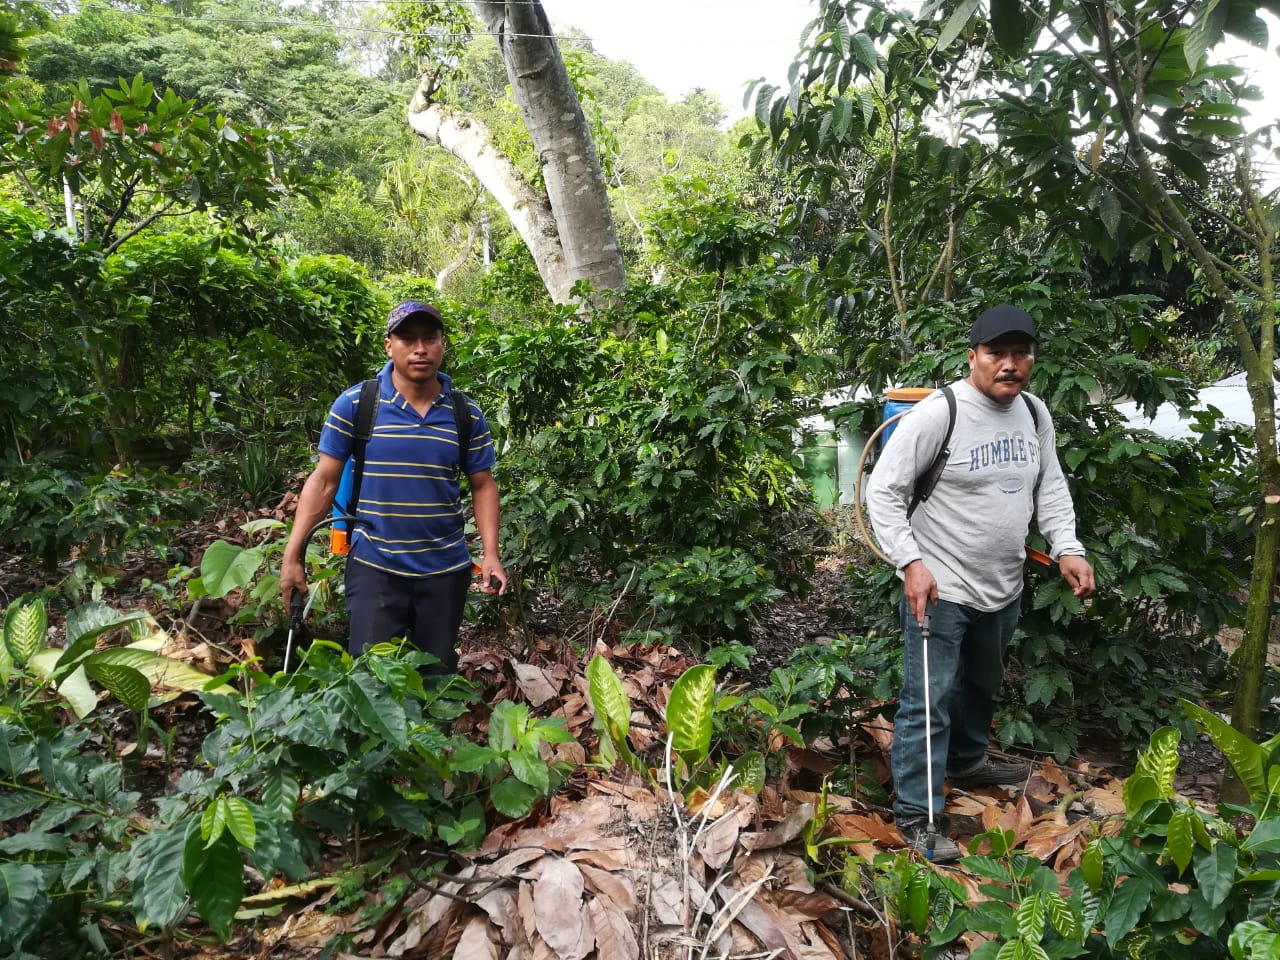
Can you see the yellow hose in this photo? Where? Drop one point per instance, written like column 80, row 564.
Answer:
column 858, row 519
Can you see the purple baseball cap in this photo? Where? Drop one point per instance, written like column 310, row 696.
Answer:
column 413, row 308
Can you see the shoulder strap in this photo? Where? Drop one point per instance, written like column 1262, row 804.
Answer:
column 462, row 421
column 1035, row 417
column 366, row 415
column 929, row 479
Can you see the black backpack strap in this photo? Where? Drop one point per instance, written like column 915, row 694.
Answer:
column 1035, row 417
column 462, row 422
column 366, row 415
column 929, row 479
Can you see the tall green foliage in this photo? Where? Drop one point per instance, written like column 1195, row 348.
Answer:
column 649, row 450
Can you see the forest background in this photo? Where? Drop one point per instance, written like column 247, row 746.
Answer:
column 207, row 209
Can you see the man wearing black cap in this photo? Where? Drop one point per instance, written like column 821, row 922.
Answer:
column 408, row 567
column 960, row 553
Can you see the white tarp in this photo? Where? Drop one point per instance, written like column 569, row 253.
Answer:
column 1229, row 396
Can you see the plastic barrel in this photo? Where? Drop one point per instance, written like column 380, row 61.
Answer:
column 900, row 400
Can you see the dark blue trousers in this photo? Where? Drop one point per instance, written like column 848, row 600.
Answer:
column 427, row 610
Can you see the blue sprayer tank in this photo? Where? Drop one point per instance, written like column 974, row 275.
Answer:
column 900, row 400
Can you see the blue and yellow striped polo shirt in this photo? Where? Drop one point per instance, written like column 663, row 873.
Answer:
column 410, row 505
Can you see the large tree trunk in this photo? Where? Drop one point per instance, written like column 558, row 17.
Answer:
column 570, row 167
column 529, row 211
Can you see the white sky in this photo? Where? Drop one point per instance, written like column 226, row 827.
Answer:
column 723, row 44
column 681, row 44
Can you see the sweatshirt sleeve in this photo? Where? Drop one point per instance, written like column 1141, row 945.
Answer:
column 911, row 450
column 1055, row 513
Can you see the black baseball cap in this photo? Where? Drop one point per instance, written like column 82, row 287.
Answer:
column 413, row 308
column 998, row 321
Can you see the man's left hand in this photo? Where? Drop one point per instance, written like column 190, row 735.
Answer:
column 1078, row 574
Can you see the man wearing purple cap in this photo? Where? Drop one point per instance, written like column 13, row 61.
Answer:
column 960, row 553
column 408, row 567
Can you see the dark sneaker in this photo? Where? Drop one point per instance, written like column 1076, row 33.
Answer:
column 992, row 772
column 918, row 839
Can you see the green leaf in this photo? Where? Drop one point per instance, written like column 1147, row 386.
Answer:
column 226, row 567
column 608, row 699
column 124, row 683
column 213, row 821
column 956, row 23
column 1245, row 756
column 240, row 821
column 159, row 670
column 1064, row 920
column 280, row 792
column 25, row 623
column 1127, row 904
column 1160, row 759
column 1215, row 872
column 1250, row 940
column 215, row 877
column 156, row 867
column 77, row 691
column 377, row 709
column 22, row 900
column 690, row 710
column 512, row 798
column 530, row 768
column 1205, row 31
column 916, row 895
column 751, row 772
column 1008, row 25
column 1029, row 919
column 1181, row 840
column 1139, row 789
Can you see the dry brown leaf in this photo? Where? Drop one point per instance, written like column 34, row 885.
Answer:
column 750, row 867
column 503, row 909
column 508, row 864
column 765, row 923
column 717, row 842
column 835, row 803
column 666, row 900
column 1050, row 834
column 1054, row 774
column 614, row 861
column 815, row 906
column 1104, row 802
column 617, row 888
column 421, row 921
column 791, row 872
column 524, row 903
column 557, row 910
column 856, row 826
column 880, row 731
column 967, row 805
column 570, row 752
column 615, row 936
column 534, row 684
column 475, row 943
column 784, row 832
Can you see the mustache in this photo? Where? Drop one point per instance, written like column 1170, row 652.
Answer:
column 1009, row 378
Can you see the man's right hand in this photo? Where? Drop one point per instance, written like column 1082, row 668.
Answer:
column 920, row 589
column 292, row 577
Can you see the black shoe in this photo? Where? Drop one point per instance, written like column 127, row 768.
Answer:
column 992, row 772
column 935, row 847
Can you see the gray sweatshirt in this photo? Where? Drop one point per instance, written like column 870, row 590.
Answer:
column 971, row 531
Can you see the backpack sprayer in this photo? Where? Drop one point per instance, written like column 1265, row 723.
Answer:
column 902, row 401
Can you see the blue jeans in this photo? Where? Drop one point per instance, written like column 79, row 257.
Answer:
column 966, row 665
